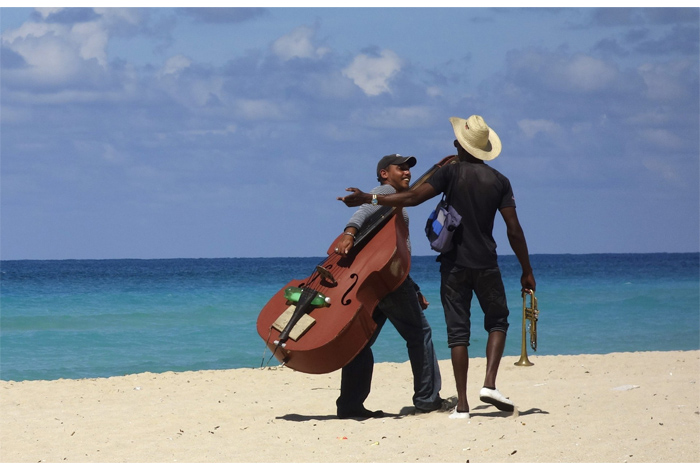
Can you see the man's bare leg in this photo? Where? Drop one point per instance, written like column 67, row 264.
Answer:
column 460, row 367
column 494, row 352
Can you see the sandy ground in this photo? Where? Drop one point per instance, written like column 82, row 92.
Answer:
column 622, row 407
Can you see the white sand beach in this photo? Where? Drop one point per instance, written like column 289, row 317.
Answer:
column 621, row 407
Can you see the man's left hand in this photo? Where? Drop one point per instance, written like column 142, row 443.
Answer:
column 422, row 301
column 357, row 198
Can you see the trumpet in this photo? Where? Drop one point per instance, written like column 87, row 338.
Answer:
column 530, row 314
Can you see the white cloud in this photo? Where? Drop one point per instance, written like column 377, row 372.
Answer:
column 531, row 127
column 202, row 91
column 230, row 129
column 585, row 73
column 372, row 74
column 663, row 138
column 332, row 85
column 91, row 40
column 259, row 109
column 406, row 117
column 298, row 44
column 663, row 170
column 57, row 53
column 62, row 97
column 577, row 73
column 115, row 15
column 434, row 91
column 664, row 81
column 45, row 12
column 189, row 91
column 175, row 65
column 112, row 155
column 43, row 48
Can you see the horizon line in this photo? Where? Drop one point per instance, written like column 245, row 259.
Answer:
column 309, row 257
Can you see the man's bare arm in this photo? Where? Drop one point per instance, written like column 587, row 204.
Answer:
column 516, row 238
column 410, row 198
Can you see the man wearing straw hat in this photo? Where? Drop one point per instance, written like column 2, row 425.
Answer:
column 471, row 267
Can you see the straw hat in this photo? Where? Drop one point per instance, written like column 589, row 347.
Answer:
column 476, row 137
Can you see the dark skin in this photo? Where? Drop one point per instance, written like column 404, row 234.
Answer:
column 516, row 238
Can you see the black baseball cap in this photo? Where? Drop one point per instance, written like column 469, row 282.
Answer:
column 395, row 159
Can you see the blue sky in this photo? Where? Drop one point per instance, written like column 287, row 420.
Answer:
column 178, row 132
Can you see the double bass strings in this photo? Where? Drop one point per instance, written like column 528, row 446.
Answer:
column 312, row 282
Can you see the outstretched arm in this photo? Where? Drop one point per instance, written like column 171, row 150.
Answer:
column 516, row 238
column 409, row 198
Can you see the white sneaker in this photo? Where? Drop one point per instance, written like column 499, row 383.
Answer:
column 495, row 398
column 459, row 414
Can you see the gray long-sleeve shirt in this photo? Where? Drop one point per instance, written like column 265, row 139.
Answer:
column 366, row 210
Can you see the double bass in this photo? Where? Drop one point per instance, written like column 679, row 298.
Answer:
column 319, row 324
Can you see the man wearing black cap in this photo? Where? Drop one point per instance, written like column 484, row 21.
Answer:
column 404, row 309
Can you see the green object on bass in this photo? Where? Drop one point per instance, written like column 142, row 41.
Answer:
column 294, row 293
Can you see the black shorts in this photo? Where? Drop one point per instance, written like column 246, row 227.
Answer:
column 456, row 290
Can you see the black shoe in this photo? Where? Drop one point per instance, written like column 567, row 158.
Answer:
column 434, row 407
column 360, row 413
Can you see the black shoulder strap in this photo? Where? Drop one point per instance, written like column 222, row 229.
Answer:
column 448, row 193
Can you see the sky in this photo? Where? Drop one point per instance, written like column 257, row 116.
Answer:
column 230, row 132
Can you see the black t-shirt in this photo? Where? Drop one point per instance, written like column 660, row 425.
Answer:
column 478, row 191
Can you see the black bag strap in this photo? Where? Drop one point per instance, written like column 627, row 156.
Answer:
column 446, row 196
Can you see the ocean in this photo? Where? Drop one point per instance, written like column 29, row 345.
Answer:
column 99, row 318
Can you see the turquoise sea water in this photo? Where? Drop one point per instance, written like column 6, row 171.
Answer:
column 101, row 318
